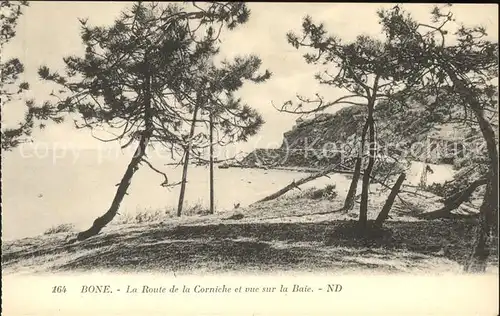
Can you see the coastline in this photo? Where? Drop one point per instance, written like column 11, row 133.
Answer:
column 295, row 169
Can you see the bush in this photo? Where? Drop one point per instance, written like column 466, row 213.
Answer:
column 196, row 209
column 148, row 216
column 63, row 228
column 449, row 188
column 327, row 193
column 439, row 189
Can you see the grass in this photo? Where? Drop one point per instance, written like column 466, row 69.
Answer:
column 159, row 215
column 63, row 228
column 284, row 234
column 332, row 245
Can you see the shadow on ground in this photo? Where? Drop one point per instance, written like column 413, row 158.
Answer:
column 434, row 246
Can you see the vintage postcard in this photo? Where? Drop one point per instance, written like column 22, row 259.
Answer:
column 232, row 158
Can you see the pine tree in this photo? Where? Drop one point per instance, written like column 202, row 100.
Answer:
column 364, row 69
column 466, row 64
column 137, row 77
column 218, row 110
column 11, row 89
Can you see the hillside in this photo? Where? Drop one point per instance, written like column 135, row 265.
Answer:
column 320, row 140
column 293, row 233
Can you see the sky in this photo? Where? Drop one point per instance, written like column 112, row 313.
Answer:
column 48, row 31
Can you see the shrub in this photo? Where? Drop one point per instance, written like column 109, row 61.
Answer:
column 449, row 188
column 63, row 228
column 148, row 216
column 196, row 209
column 439, row 189
column 151, row 215
column 327, row 193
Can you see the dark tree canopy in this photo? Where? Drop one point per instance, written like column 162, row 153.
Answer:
column 466, row 62
column 144, row 77
column 106, row 86
column 11, row 89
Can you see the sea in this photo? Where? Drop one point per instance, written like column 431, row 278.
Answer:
column 41, row 189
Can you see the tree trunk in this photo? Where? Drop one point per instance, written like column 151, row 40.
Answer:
column 310, row 178
column 384, row 213
column 186, row 163
column 465, row 194
column 296, row 184
column 454, row 201
column 102, row 221
column 349, row 200
column 481, row 251
column 132, row 167
column 363, row 208
column 351, row 194
column 489, row 208
column 211, row 165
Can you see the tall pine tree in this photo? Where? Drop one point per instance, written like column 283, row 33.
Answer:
column 137, row 77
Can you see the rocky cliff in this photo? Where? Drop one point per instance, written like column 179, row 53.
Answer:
column 329, row 138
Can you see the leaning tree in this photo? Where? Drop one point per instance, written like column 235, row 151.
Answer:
column 466, row 63
column 365, row 70
column 137, row 74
